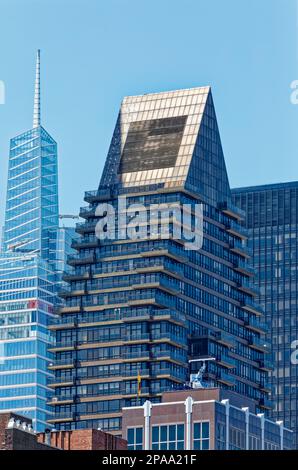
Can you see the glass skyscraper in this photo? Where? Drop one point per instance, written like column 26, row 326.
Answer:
column 29, row 271
column 271, row 219
column 27, row 295
column 32, row 187
column 138, row 308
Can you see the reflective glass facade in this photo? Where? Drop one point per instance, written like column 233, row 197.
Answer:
column 30, row 262
column 136, row 310
column 32, row 192
column 272, row 223
column 27, row 291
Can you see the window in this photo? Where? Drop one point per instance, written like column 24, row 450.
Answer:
column 168, row 437
column 135, row 438
column 201, row 436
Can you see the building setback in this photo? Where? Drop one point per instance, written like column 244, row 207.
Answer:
column 204, row 419
column 138, row 307
column 271, row 219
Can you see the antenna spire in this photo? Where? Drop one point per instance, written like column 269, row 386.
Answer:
column 36, row 110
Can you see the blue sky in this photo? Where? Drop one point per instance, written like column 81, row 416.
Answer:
column 95, row 52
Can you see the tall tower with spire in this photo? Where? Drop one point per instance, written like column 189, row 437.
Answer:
column 28, row 275
column 31, row 214
column 36, row 109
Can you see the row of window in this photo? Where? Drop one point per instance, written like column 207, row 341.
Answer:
column 170, row 437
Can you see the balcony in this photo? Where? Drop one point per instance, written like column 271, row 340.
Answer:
column 226, row 361
column 236, row 229
column 86, row 212
column 62, row 322
column 97, row 195
column 136, row 355
column 61, row 399
column 63, row 416
column 169, row 337
column 137, row 315
column 231, row 210
column 75, row 260
column 244, row 268
column 84, row 227
column 171, row 315
column 87, row 242
column 266, row 364
column 68, row 292
column 256, row 325
column 226, row 378
column 134, row 373
column 252, row 307
column 67, row 277
column 248, row 288
column 225, row 338
column 259, row 344
column 240, row 249
column 60, row 345
column 101, row 339
column 137, row 338
column 170, row 355
column 60, row 381
column 134, row 393
column 61, row 364
column 170, row 372
column 266, row 403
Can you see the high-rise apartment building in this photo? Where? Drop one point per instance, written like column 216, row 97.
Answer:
column 141, row 304
column 271, row 219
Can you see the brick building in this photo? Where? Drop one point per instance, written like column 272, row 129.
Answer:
column 202, row 419
column 16, row 433
column 82, row 439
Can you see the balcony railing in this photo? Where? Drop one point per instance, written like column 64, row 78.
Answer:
column 256, row 324
column 236, row 229
column 137, row 337
column 266, row 403
column 248, row 287
column 86, row 212
column 171, row 372
column 62, row 344
column 227, row 378
column 266, row 364
column 134, row 373
column 80, row 259
column 244, row 268
column 231, row 210
column 83, row 227
column 97, row 195
column 259, row 344
column 60, row 398
column 251, row 306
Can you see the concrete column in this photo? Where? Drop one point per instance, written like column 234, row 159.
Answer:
column 227, row 405
column 188, row 412
column 262, row 418
column 281, row 427
column 246, row 411
column 147, row 416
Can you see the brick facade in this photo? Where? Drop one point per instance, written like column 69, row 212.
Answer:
column 84, row 439
column 16, row 438
column 16, row 434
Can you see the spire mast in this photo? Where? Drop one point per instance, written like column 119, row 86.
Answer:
column 36, row 109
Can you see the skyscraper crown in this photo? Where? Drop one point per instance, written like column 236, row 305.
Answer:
column 169, row 139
